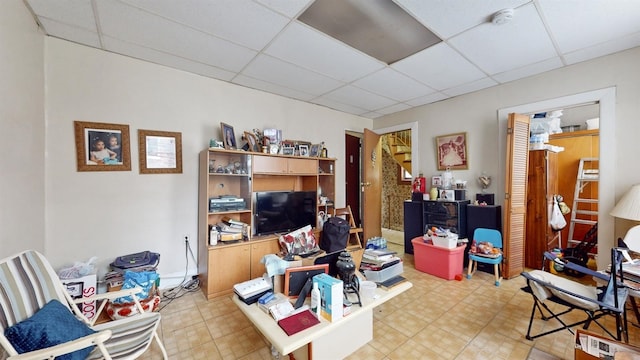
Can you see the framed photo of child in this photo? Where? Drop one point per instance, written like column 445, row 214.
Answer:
column 452, row 152
column 102, row 146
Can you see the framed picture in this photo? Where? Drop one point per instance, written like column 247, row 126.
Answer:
column 288, row 149
column 436, row 181
column 304, row 150
column 452, row 151
column 160, row 152
column 296, row 277
column 102, row 147
column 252, row 141
column 315, row 150
column 447, row 195
column 228, row 136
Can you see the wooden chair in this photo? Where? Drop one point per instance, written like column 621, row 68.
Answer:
column 354, row 244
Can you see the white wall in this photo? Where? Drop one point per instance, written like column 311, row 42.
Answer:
column 115, row 213
column 22, row 205
column 476, row 114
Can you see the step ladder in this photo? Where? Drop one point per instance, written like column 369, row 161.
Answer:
column 582, row 211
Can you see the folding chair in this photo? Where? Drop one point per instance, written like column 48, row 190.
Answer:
column 596, row 302
column 30, row 290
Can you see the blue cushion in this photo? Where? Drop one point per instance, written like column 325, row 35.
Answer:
column 52, row 325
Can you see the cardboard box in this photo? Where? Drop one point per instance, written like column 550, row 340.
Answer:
column 278, row 280
column 331, row 305
column 83, row 287
column 590, row 346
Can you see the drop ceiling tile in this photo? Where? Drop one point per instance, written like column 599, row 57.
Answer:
column 78, row 13
column 71, row 33
column 470, row 87
column 278, row 72
column 603, row 49
column 139, row 27
column 289, row 8
column 520, row 42
column 372, row 115
column 242, row 22
column 528, row 70
column 157, row 57
column 271, row 88
column 393, row 109
column 423, row 100
column 439, row 67
column 336, row 105
column 392, row 84
column 361, row 98
column 450, row 17
column 316, row 51
column 578, row 24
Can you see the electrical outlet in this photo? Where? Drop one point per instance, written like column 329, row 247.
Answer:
column 186, row 237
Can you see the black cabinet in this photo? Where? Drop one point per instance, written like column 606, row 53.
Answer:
column 451, row 215
column 412, row 223
column 482, row 216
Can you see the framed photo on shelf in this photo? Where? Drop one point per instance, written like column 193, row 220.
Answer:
column 228, row 136
column 102, row 146
column 252, row 140
column 304, row 150
column 288, row 149
column 315, row 150
column 436, row 181
column 160, row 152
column 452, row 151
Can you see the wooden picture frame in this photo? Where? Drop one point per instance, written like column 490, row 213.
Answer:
column 228, row 136
column 451, row 150
column 252, row 140
column 159, row 152
column 109, row 156
column 304, row 150
column 296, row 277
column 315, row 150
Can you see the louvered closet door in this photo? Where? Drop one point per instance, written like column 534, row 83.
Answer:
column 515, row 202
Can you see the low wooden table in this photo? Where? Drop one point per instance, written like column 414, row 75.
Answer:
column 327, row 340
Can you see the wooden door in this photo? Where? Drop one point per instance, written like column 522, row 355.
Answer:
column 371, row 185
column 515, row 200
column 352, row 175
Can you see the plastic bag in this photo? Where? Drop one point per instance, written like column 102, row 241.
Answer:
column 144, row 280
column 79, row 269
column 557, row 220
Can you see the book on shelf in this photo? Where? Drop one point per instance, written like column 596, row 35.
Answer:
column 222, row 227
column 233, row 223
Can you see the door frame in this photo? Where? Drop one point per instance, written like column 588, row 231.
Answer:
column 606, row 98
column 415, row 153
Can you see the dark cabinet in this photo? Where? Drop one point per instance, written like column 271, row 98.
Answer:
column 451, row 215
column 412, row 223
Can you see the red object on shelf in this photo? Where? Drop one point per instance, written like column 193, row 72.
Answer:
column 419, row 185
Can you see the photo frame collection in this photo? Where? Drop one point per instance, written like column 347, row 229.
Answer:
column 106, row 147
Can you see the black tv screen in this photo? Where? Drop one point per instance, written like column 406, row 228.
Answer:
column 284, row 211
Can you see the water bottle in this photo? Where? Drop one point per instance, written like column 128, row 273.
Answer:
column 315, row 299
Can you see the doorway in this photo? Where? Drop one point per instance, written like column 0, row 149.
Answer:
column 606, row 186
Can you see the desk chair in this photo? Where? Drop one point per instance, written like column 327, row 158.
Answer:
column 35, row 305
column 495, row 238
column 569, row 295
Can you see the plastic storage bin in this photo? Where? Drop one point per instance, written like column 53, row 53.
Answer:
column 438, row 261
column 384, row 274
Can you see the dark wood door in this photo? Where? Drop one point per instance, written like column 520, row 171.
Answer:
column 352, row 175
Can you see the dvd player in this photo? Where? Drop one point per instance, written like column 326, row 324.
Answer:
column 226, row 203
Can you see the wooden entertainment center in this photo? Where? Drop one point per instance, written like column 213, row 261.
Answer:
column 235, row 175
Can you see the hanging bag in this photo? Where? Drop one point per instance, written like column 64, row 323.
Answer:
column 557, row 220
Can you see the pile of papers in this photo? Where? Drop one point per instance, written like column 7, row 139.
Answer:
column 378, row 259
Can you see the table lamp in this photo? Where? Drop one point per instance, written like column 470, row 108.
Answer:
column 629, row 208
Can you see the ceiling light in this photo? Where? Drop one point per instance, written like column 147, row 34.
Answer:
column 502, row 17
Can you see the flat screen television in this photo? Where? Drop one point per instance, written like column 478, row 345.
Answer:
column 284, row 211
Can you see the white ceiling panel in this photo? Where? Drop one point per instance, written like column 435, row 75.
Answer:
column 578, row 24
column 71, row 33
column 522, row 41
column 313, row 50
column 260, row 44
column 435, row 67
column 246, row 22
column 139, row 52
column 78, row 13
column 394, row 85
column 139, row 27
column 278, row 72
column 360, row 98
column 447, row 18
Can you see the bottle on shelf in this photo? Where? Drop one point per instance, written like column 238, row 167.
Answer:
column 315, row 299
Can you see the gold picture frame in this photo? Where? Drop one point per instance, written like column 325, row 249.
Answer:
column 451, row 150
column 102, row 146
column 159, row 152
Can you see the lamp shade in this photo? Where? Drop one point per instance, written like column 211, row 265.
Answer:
column 629, row 205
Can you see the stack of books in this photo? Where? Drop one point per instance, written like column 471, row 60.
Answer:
column 231, row 229
column 379, row 259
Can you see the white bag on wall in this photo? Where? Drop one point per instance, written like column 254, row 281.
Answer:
column 557, row 220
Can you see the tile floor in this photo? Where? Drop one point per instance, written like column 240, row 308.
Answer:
column 435, row 319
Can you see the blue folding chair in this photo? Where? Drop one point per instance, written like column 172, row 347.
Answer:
column 495, row 238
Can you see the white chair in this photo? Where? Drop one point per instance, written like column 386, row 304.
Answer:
column 32, row 294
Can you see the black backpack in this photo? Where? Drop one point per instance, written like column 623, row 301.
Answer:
column 335, row 234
